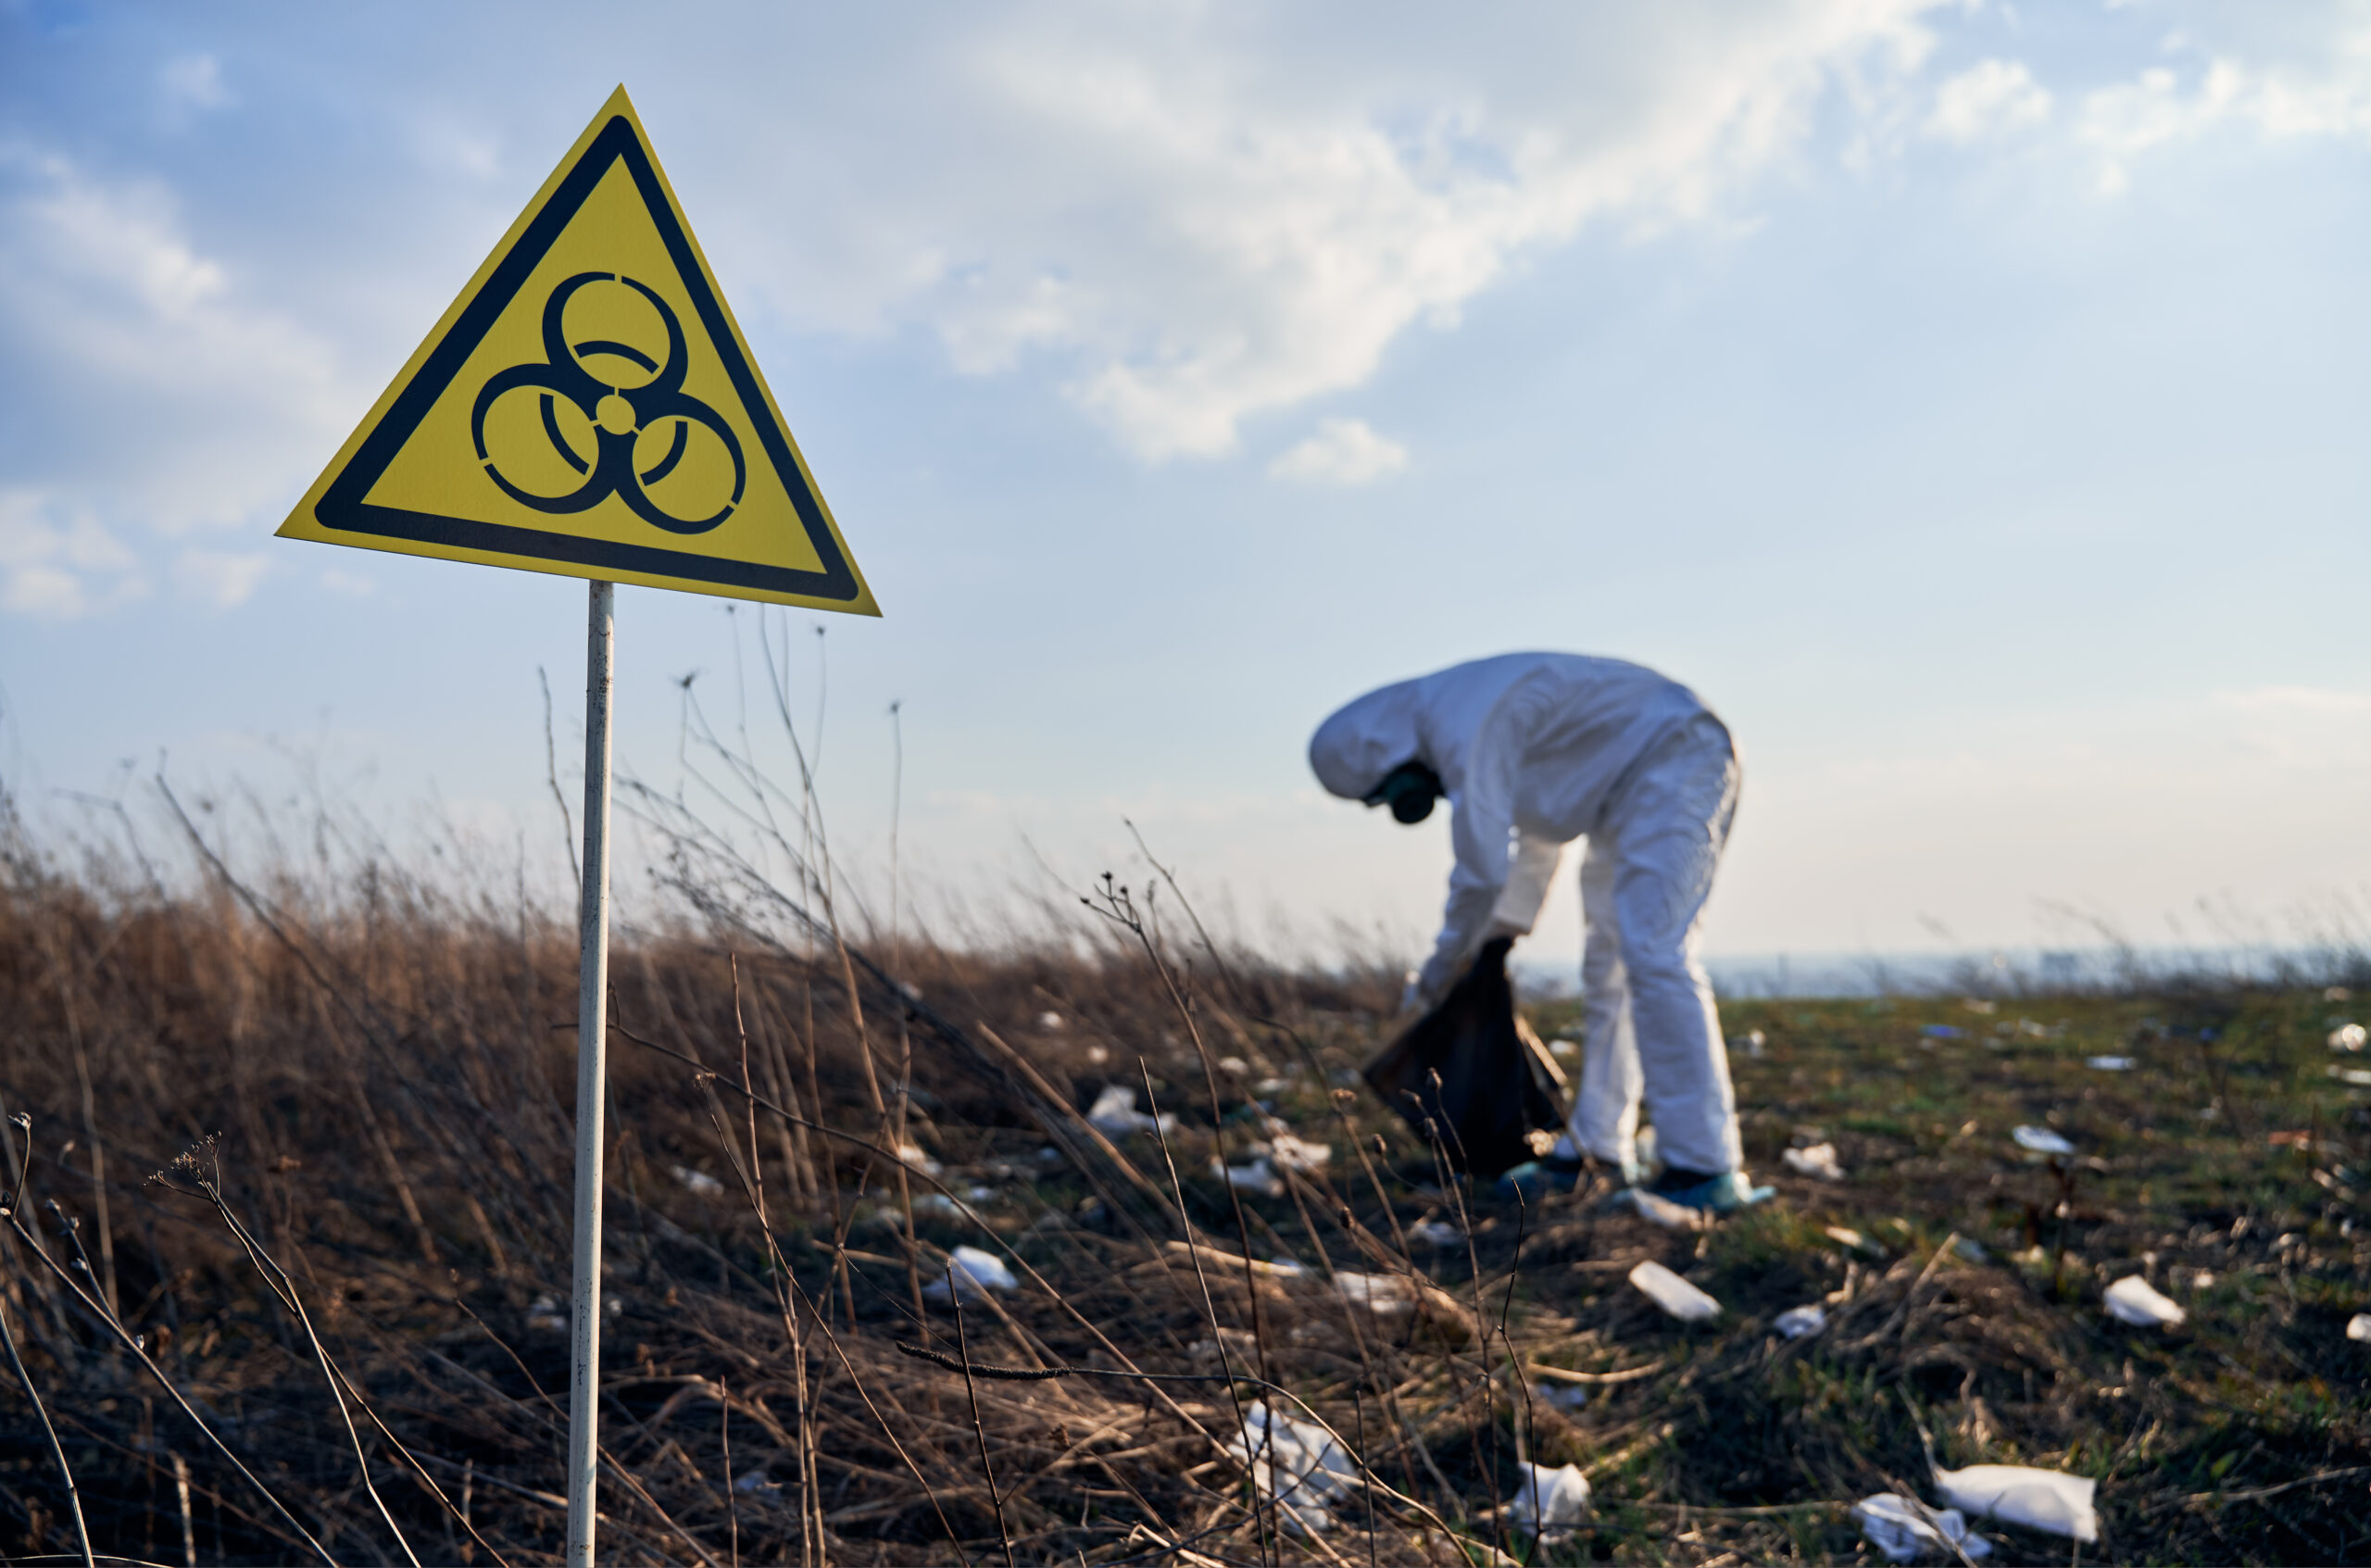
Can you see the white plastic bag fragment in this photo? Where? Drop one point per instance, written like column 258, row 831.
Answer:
column 1565, row 1396
column 696, row 1181
column 973, row 1272
column 1256, row 1177
column 2349, row 1037
column 911, row 1153
column 2109, row 1064
column 1298, row 1154
column 1904, row 1528
column 1547, row 1503
column 2132, row 1299
column 2040, row 1500
column 1114, row 1114
column 1796, row 1323
column 1294, row 1464
column 1376, row 1293
column 2358, row 1327
column 2041, row 1140
column 1817, row 1160
column 1436, row 1233
column 1675, row 1294
column 1661, row 1210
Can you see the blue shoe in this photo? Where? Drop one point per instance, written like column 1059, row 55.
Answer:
column 1536, row 1179
column 1724, row 1194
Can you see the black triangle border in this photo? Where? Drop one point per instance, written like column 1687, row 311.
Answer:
column 343, row 509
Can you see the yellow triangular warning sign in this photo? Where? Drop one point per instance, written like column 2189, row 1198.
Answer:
column 588, row 406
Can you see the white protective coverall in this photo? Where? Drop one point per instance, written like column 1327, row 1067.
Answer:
column 1533, row 751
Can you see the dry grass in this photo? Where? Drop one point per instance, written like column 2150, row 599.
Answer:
column 376, row 1084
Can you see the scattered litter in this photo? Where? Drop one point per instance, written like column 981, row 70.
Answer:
column 1661, row 1211
column 1298, row 1154
column 1438, row 1232
column 2110, row 1063
column 1675, row 1294
column 1817, row 1160
column 2201, row 1280
column 1567, row 1397
column 1565, row 1048
column 696, row 1181
column 2358, row 1327
column 1980, row 1004
column 1376, row 1293
column 1972, row 1249
column 1049, row 1021
column 2134, row 1300
column 1256, row 1177
column 1114, row 1114
column 1752, row 1040
column 1296, row 1464
column 1235, row 1066
column 2294, row 1137
column 2349, row 1037
column 1269, row 1088
column 1098, row 1055
column 2041, row 1140
column 1944, row 1031
column 2359, row 1077
column 546, row 1316
column 757, row 1481
column 1847, row 1238
column 913, row 1155
column 1547, row 1503
column 1797, row 1322
column 937, row 1203
column 2041, row 1499
column 1902, row 1528
column 973, row 1272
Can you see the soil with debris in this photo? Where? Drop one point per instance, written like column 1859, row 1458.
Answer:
column 390, row 1079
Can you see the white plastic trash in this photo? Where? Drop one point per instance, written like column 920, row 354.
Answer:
column 2040, row 1500
column 1817, row 1160
column 1563, row 1395
column 1376, row 1293
column 973, row 1272
column 1903, row 1528
column 1296, row 1464
column 1256, row 1177
column 1438, row 1232
column 2349, row 1037
column 1114, row 1114
column 1661, row 1211
column 1675, row 1294
column 2359, row 1327
column 696, row 1181
column 2132, row 1299
column 1548, row 1502
column 2109, row 1064
column 1796, row 1323
column 2041, row 1140
column 1298, row 1154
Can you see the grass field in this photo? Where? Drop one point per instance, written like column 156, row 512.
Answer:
column 376, row 1083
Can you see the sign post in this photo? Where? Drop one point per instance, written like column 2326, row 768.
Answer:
column 588, row 407
column 592, row 1078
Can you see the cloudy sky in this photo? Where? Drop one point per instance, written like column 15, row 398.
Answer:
column 1967, row 400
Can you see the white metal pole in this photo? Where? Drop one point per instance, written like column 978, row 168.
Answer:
column 592, row 1077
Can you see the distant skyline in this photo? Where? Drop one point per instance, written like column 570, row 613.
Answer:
column 1964, row 399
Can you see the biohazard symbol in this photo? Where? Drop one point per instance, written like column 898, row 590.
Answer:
column 619, row 416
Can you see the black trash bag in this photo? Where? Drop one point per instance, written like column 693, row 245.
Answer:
column 1500, row 1098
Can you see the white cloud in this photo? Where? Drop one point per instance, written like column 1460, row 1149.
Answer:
column 1196, row 213
column 193, row 83
column 223, row 578
column 2310, row 76
column 1341, row 452
column 57, row 562
column 1988, row 98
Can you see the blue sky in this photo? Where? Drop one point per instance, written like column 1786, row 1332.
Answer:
column 1964, row 399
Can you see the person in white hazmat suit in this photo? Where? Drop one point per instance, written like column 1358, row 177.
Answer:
column 1535, row 750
